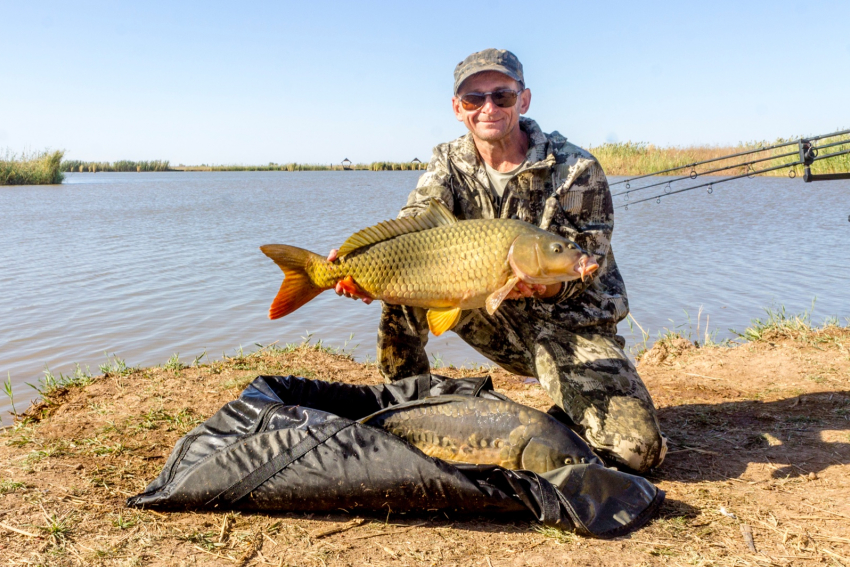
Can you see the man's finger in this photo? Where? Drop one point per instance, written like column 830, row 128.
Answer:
column 333, row 255
column 524, row 289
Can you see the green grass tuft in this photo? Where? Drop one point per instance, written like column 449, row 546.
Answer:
column 174, row 363
column 115, row 366
column 778, row 321
column 8, row 485
column 50, row 384
column 556, row 534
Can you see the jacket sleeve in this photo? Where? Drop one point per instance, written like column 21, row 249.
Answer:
column 435, row 183
column 588, row 220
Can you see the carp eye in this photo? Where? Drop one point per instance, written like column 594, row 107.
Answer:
column 568, row 461
column 557, row 248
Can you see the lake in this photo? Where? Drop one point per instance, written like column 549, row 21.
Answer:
column 145, row 265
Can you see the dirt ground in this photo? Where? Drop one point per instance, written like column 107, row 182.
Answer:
column 759, row 444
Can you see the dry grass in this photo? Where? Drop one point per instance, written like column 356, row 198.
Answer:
column 630, row 158
column 756, row 446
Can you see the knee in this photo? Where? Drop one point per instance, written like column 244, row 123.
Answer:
column 628, row 434
column 641, row 453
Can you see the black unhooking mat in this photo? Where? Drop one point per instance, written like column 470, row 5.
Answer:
column 294, row 444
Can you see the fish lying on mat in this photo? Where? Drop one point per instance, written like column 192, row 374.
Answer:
column 482, row 431
column 433, row 261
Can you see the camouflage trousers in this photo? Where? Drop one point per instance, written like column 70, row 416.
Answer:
column 585, row 372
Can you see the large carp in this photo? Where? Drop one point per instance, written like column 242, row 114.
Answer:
column 433, row 261
column 483, row 431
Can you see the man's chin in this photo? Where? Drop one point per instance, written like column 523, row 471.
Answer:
column 490, row 134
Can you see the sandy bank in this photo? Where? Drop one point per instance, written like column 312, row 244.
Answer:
column 760, row 437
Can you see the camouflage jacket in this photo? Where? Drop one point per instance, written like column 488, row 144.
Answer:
column 563, row 190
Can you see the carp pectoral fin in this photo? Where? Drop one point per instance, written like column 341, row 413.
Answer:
column 441, row 320
column 497, row 297
column 540, row 457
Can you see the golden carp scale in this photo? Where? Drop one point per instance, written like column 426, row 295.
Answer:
column 448, row 266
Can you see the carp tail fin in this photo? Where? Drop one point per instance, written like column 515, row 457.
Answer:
column 297, row 287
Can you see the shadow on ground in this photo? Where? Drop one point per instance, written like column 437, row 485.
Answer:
column 793, row 437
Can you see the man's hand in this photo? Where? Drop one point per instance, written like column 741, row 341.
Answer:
column 342, row 289
column 522, row 289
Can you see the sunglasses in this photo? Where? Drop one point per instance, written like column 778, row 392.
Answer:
column 505, row 98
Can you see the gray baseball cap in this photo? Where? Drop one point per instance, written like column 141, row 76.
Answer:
column 499, row 60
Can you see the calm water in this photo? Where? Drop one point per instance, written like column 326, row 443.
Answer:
column 146, row 265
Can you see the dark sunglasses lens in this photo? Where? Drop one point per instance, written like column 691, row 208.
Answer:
column 504, row 99
column 471, row 101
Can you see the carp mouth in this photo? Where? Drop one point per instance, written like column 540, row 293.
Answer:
column 586, row 266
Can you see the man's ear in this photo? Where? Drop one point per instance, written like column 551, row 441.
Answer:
column 457, row 108
column 524, row 101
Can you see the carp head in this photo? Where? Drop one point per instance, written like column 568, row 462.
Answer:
column 545, row 258
column 544, row 454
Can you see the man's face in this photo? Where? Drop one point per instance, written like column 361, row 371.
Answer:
column 491, row 123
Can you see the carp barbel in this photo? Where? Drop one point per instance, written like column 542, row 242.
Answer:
column 432, row 261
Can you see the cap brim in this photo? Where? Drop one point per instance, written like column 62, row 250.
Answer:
column 497, row 68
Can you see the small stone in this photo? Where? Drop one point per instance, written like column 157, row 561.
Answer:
column 813, row 475
column 79, row 467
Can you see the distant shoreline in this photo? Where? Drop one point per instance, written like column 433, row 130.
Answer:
column 617, row 159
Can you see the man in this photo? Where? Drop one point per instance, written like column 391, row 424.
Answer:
column 563, row 334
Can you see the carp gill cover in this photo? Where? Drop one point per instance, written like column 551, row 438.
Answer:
column 432, row 261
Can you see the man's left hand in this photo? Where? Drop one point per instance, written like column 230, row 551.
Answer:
column 522, row 289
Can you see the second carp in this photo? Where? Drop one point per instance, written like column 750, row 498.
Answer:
column 484, row 431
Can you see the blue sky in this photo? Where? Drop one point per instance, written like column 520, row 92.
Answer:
column 254, row 82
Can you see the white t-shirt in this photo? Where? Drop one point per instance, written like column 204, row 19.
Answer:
column 499, row 180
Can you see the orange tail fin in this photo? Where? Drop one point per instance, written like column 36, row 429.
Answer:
column 297, row 287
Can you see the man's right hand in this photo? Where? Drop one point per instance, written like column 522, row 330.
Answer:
column 340, row 289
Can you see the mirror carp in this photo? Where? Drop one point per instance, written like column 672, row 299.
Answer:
column 481, row 431
column 432, row 261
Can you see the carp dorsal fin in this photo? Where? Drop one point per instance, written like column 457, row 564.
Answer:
column 436, row 215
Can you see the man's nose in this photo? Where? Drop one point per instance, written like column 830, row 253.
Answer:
column 489, row 106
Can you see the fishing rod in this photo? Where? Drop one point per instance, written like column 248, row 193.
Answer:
column 806, row 151
column 694, row 175
column 739, row 154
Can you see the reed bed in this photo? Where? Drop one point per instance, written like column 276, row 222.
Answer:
column 269, row 167
column 39, row 168
column 639, row 158
column 121, row 165
column 374, row 166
